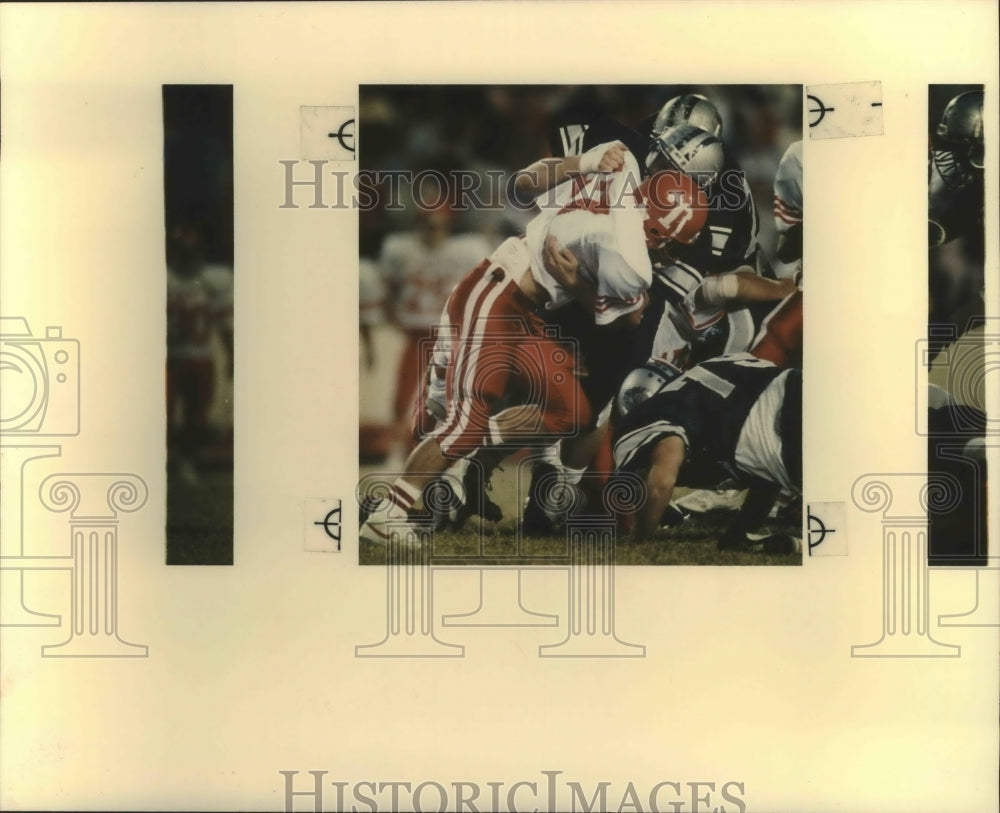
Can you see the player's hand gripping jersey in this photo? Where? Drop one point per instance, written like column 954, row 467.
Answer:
column 729, row 239
column 599, row 219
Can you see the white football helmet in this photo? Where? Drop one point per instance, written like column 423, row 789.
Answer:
column 687, row 149
column 691, row 108
column 643, row 383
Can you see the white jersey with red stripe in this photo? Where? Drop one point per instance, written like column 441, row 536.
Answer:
column 199, row 306
column 371, row 293
column 788, row 189
column 599, row 219
column 424, row 276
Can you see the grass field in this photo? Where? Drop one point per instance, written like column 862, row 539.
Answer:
column 200, row 519
column 487, row 543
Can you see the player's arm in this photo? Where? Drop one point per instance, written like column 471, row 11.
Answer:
column 564, row 268
column 665, row 464
column 533, row 181
column 561, row 263
column 741, row 287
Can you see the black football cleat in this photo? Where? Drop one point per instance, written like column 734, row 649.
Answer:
column 673, row 516
column 534, row 521
column 476, row 501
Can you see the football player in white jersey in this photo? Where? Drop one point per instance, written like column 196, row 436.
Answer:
column 788, row 207
column 420, row 267
column 780, row 336
column 604, row 217
column 371, row 310
column 199, row 336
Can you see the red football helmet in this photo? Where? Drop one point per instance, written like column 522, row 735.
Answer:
column 676, row 208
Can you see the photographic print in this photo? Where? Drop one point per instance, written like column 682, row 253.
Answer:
column 460, row 353
column 961, row 343
column 627, row 243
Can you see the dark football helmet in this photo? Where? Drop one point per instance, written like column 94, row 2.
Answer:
column 691, row 108
column 957, row 150
column 961, row 127
column 688, row 149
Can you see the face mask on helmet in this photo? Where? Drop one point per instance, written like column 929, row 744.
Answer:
column 676, row 208
column 643, row 383
column 691, row 108
column 687, row 149
column 958, row 139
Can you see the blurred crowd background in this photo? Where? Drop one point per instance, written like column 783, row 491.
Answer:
column 504, row 128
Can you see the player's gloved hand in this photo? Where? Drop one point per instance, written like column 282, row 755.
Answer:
column 607, row 157
column 561, row 264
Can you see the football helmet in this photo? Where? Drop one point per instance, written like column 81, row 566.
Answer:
column 676, row 208
column 643, row 383
column 961, row 127
column 957, row 149
column 691, row 108
column 688, row 149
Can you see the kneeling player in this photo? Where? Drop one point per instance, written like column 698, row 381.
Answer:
column 734, row 416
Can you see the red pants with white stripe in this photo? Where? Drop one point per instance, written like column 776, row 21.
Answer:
column 500, row 353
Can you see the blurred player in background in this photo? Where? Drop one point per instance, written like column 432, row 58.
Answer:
column 375, row 438
column 419, row 268
column 780, row 336
column 199, row 336
column 788, row 206
column 371, row 302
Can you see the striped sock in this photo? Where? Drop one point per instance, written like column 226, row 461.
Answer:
column 397, row 504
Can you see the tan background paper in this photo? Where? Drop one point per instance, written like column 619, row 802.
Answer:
column 748, row 674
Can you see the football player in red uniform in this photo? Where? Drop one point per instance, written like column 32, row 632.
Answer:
column 495, row 342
